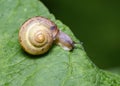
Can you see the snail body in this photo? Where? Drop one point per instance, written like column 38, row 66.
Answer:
column 37, row 35
column 64, row 41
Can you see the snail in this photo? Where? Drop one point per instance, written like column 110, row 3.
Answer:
column 37, row 35
column 64, row 41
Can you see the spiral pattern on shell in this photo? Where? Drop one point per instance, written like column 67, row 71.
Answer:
column 37, row 35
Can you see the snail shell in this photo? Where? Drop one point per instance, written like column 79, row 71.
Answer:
column 37, row 35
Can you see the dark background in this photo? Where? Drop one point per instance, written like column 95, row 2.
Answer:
column 96, row 23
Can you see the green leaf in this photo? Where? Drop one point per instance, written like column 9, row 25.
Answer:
column 55, row 68
column 115, row 70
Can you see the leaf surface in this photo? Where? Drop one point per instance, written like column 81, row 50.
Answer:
column 55, row 68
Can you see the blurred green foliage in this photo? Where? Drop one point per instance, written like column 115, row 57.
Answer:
column 95, row 23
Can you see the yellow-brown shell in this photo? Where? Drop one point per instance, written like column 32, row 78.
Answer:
column 37, row 35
